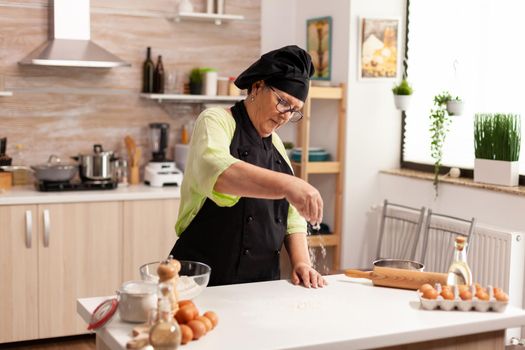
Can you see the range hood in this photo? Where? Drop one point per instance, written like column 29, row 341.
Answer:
column 69, row 40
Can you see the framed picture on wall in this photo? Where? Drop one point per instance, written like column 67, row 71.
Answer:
column 379, row 48
column 319, row 46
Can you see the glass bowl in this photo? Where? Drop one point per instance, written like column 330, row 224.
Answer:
column 193, row 277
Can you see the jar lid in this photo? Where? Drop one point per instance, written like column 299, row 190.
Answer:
column 103, row 313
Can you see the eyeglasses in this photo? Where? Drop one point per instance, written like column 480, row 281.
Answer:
column 284, row 107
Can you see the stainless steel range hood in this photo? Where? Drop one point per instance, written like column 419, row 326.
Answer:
column 69, row 44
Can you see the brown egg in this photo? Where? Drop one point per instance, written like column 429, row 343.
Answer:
column 187, row 334
column 206, row 321
column 183, row 303
column 477, row 286
column 502, row 296
column 198, row 328
column 212, row 316
column 430, row 294
column 447, row 294
column 425, row 287
column 446, row 287
column 463, row 287
column 186, row 314
column 497, row 290
column 465, row 294
column 482, row 295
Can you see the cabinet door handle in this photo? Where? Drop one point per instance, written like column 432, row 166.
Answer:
column 47, row 227
column 29, row 228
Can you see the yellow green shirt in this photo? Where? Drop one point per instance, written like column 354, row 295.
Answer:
column 209, row 155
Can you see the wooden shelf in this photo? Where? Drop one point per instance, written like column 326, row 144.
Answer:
column 207, row 17
column 326, row 92
column 319, row 167
column 191, row 98
column 330, row 240
column 6, row 93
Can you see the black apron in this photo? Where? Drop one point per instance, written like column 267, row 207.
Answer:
column 241, row 243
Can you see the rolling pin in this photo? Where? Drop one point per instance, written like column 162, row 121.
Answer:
column 399, row 278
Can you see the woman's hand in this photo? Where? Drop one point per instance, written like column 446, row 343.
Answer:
column 306, row 275
column 306, row 199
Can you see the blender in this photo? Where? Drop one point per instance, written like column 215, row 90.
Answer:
column 161, row 171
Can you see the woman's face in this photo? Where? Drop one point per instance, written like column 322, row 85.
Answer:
column 264, row 114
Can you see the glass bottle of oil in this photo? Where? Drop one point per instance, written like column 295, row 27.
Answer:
column 459, row 271
column 166, row 333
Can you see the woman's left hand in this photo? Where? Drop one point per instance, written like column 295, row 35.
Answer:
column 306, row 275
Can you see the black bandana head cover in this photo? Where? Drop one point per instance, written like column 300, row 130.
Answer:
column 288, row 69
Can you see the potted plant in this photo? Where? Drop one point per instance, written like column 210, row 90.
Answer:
column 439, row 124
column 196, row 81
column 402, row 95
column 455, row 106
column 497, row 139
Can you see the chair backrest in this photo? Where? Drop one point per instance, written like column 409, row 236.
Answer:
column 440, row 233
column 399, row 231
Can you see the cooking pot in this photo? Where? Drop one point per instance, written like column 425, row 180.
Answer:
column 54, row 170
column 97, row 166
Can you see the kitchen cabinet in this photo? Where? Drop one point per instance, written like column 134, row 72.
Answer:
column 304, row 168
column 52, row 254
column 18, row 273
column 149, row 233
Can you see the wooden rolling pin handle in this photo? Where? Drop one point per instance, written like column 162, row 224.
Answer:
column 359, row 273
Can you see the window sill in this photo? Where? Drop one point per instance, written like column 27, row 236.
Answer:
column 461, row 181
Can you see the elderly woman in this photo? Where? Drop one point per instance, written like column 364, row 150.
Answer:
column 239, row 198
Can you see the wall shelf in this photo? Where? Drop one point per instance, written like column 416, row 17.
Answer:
column 207, row 17
column 6, row 93
column 191, row 98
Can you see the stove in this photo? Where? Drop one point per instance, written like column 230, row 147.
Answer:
column 51, row 186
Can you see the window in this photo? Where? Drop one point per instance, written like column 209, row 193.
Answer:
column 472, row 49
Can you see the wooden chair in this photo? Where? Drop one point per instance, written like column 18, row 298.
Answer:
column 440, row 233
column 399, row 231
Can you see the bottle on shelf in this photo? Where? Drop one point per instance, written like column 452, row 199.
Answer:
column 459, row 271
column 166, row 333
column 158, row 77
column 147, row 73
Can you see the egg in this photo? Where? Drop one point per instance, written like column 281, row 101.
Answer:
column 447, row 294
column 183, row 303
column 502, row 296
column 477, row 286
column 187, row 334
column 425, row 287
column 497, row 290
column 212, row 316
column 186, row 314
column 465, row 294
column 463, row 287
column 430, row 294
column 481, row 294
column 198, row 328
column 206, row 321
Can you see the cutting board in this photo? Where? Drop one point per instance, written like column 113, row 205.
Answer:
column 399, row 278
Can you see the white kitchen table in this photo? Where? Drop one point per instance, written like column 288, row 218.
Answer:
column 346, row 314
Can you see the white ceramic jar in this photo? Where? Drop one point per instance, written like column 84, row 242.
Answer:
column 136, row 299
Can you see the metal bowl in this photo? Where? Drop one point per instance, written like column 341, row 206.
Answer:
column 400, row 264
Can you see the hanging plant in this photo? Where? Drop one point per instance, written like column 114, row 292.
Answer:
column 439, row 124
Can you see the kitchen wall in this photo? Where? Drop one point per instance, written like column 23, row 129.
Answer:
column 373, row 125
column 66, row 110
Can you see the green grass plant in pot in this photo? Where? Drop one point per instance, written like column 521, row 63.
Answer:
column 196, row 81
column 497, row 140
column 402, row 95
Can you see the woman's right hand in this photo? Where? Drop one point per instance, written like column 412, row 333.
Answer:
column 306, row 199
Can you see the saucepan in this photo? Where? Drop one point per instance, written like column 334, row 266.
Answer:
column 54, row 170
column 397, row 273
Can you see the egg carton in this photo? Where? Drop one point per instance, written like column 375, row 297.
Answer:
column 474, row 304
